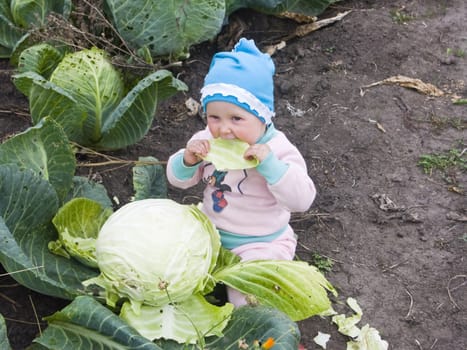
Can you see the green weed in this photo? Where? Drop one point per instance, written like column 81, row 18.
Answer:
column 440, row 123
column 453, row 158
column 459, row 53
column 462, row 101
column 401, row 16
column 323, row 263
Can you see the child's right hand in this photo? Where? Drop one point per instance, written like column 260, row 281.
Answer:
column 195, row 151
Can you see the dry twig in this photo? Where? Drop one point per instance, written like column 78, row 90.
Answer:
column 298, row 217
column 9, row 299
column 19, row 271
column 110, row 160
column 35, row 315
column 410, row 305
column 305, row 29
column 448, row 287
column 394, row 266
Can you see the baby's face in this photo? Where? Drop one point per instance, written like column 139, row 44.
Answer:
column 229, row 121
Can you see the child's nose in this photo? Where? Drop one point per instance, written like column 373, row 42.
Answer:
column 224, row 129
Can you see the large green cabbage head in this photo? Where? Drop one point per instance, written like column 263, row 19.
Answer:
column 155, row 251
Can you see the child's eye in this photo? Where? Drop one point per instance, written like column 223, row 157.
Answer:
column 236, row 119
column 213, row 117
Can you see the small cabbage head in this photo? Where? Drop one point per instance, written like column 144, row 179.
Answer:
column 155, row 251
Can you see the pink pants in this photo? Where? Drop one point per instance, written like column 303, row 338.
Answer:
column 283, row 248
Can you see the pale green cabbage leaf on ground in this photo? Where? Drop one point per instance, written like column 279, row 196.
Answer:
column 367, row 338
column 347, row 325
column 321, row 339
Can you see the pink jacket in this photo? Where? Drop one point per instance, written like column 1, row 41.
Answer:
column 255, row 201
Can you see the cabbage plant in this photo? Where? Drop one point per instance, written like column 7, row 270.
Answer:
column 155, row 251
column 88, row 97
column 160, row 258
column 17, row 17
column 170, row 28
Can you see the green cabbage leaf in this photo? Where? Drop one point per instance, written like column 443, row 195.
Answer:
column 293, row 287
column 149, row 179
column 19, row 16
column 228, row 155
column 36, row 178
column 166, row 28
column 4, row 343
column 87, row 323
column 185, row 322
column 78, row 223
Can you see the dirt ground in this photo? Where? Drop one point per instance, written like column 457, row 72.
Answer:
column 395, row 235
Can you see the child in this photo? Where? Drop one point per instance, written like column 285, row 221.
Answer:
column 251, row 207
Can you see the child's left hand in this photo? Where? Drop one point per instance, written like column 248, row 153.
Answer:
column 258, row 151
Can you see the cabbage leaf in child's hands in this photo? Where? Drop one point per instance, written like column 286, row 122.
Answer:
column 228, row 155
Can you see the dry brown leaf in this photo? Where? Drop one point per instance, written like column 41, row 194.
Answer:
column 380, row 127
column 271, row 50
column 306, row 29
column 456, row 216
column 456, row 189
column 411, row 83
column 297, row 17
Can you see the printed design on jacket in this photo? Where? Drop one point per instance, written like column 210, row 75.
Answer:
column 216, row 179
column 218, row 199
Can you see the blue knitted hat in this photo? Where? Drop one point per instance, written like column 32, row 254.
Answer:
column 244, row 77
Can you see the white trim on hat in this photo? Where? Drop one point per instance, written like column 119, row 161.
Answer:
column 242, row 95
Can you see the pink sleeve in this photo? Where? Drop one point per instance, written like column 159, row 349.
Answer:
column 295, row 190
column 180, row 175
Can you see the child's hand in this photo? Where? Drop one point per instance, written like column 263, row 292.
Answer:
column 195, row 151
column 258, row 151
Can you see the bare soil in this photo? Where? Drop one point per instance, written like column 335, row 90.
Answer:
column 396, row 235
